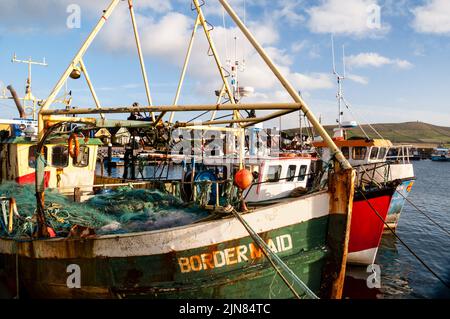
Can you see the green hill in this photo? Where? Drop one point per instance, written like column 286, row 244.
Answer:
column 410, row 132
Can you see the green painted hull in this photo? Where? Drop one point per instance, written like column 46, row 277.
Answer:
column 162, row 276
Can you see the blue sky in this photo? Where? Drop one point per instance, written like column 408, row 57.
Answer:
column 398, row 70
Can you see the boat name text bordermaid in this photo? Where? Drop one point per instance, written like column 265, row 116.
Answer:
column 233, row 255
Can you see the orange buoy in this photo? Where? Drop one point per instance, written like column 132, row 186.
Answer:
column 51, row 232
column 74, row 145
column 243, row 179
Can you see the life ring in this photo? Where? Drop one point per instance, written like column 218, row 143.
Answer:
column 74, row 146
column 287, row 155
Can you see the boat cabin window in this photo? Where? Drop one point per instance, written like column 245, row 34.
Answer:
column 302, row 173
column 359, row 153
column 83, row 157
column 291, row 173
column 393, row 152
column 382, row 153
column 374, row 153
column 60, row 156
column 32, row 156
column 345, row 152
column 273, row 173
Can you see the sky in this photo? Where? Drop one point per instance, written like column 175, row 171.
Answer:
column 397, row 54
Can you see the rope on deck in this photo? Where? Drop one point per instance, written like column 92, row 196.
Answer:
column 276, row 262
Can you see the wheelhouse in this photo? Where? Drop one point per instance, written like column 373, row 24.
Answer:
column 18, row 162
column 358, row 151
column 273, row 177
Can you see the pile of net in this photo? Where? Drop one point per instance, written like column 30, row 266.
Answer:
column 123, row 210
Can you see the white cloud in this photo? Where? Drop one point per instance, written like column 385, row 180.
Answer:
column 213, row 7
column 433, row 17
column 376, row 60
column 305, row 46
column 358, row 79
column 166, row 36
column 286, row 11
column 299, row 46
column 313, row 81
column 50, row 16
column 350, row 17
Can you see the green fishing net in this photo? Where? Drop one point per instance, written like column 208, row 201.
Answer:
column 123, row 210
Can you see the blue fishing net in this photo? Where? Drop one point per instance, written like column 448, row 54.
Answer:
column 123, row 210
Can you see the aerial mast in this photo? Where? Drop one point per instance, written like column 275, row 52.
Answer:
column 340, row 79
column 28, row 89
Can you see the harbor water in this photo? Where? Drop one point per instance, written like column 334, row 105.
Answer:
column 402, row 275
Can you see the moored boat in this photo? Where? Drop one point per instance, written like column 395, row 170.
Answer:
column 440, row 154
column 380, row 179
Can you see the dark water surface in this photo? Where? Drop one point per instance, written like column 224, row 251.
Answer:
column 402, row 275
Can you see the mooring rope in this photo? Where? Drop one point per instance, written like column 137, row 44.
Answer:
column 422, row 212
column 419, row 210
column 404, row 244
column 274, row 259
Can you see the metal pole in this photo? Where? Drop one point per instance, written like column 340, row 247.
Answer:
column 218, row 122
column 51, row 98
column 292, row 107
column 141, row 58
column 183, row 73
column 290, row 89
column 219, row 98
column 270, row 117
column 216, row 56
column 91, row 87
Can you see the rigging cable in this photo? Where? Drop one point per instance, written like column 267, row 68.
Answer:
column 244, row 52
column 418, row 209
column 226, row 36
column 274, row 260
column 422, row 212
column 404, row 244
column 347, row 105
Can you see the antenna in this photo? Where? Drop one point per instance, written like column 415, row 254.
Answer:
column 343, row 59
column 28, row 94
column 30, row 62
column 332, row 52
column 340, row 79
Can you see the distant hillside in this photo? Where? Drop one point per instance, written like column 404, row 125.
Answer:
column 410, row 132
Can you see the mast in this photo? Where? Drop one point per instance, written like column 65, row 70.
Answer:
column 28, row 89
column 288, row 86
column 340, row 80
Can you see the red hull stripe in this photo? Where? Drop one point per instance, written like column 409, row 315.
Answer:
column 30, row 178
column 366, row 227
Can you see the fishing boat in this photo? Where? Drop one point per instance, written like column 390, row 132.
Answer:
column 440, row 154
column 383, row 183
column 384, row 179
column 18, row 144
column 292, row 248
column 18, row 158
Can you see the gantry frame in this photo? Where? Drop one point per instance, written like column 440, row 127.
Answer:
column 46, row 114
